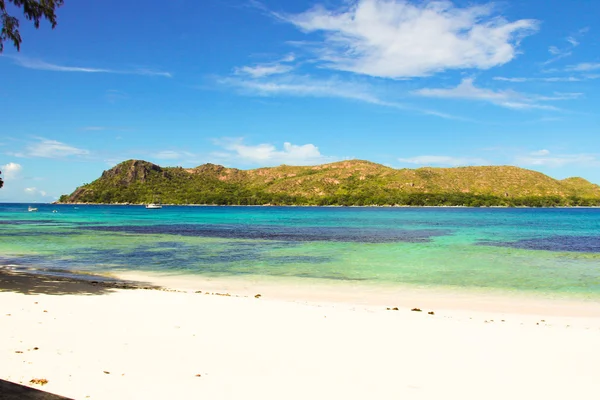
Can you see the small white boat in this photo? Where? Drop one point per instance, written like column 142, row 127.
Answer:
column 155, row 205
column 32, row 209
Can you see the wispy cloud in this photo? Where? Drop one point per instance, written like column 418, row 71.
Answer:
column 45, row 66
column 172, row 155
column 505, row 79
column 575, row 38
column 504, row 98
column 335, row 87
column 583, row 67
column 306, row 86
column 402, row 39
column 546, row 159
column 539, row 153
column 46, row 148
column 235, row 150
column 557, row 96
column 538, row 158
column 559, row 53
column 561, row 79
column 105, row 129
column 548, row 79
column 33, row 191
column 445, row 160
column 258, row 71
column 266, row 69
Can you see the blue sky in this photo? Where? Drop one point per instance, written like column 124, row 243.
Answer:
column 249, row 84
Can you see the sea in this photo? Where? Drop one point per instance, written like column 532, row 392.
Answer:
column 545, row 251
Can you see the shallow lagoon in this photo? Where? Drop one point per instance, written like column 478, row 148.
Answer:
column 545, row 251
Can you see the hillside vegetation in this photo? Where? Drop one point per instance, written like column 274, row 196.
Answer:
column 353, row 182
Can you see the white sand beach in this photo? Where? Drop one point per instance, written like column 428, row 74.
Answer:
column 151, row 344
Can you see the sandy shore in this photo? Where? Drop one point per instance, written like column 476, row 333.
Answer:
column 294, row 344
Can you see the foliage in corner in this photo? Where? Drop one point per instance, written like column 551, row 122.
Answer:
column 34, row 10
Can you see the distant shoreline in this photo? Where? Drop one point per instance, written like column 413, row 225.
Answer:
column 294, row 205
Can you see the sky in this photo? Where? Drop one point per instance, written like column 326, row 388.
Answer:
column 255, row 83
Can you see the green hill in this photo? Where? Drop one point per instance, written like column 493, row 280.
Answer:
column 353, row 182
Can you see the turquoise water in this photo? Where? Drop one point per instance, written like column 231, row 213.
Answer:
column 550, row 251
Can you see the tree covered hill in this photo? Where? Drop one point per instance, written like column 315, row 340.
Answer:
column 352, row 182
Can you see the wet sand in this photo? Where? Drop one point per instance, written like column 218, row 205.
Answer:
column 32, row 282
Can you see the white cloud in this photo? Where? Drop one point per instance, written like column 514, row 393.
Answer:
column 504, row 98
column 542, row 152
column 105, row 129
column 565, row 51
column 268, row 154
column 266, row 69
column 554, row 50
column 574, row 42
column 444, row 160
column 11, row 170
column 556, row 161
column 551, row 79
column 45, row 66
column 147, row 72
column 46, row 148
column 305, row 86
column 289, row 58
column 558, row 96
column 584, row 67
column 33, row 191
column 402, row 39
column 505, row 79
column 172, row 155
column 562, row 79
column 467, row 90
column 558, row 54
column 258, row 71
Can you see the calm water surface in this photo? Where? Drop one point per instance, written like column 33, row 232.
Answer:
column 549, row 251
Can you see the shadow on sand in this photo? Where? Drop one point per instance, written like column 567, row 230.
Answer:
column 13, row 391
column 37, row 283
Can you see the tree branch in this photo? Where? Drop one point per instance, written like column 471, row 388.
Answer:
column 34, row 10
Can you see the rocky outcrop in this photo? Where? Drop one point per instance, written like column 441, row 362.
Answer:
column 131, row 171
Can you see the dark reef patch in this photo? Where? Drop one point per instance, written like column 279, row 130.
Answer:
column 32, row 222
column 284, row 233
column 13, row 234
column 235, row 257
column 581, row 244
